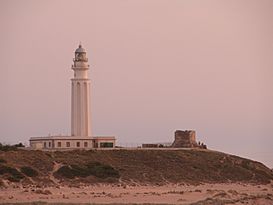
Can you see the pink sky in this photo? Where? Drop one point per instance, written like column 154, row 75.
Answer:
column 156, row 66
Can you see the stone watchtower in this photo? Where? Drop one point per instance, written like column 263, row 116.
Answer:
column 80, row 101
column 185, row 139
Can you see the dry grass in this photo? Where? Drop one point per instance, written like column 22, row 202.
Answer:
column 142, row 166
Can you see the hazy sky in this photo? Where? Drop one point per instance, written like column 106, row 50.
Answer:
column 156, row 66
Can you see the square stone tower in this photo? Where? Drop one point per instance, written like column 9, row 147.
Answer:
column 185, row 139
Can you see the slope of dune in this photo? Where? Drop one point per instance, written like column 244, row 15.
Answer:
column 139, row 167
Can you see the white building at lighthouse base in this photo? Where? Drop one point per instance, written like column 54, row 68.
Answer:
column 71, row 142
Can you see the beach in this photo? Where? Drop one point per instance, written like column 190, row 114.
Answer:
column 228, row 193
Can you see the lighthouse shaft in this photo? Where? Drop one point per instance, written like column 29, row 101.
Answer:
column 80, row 97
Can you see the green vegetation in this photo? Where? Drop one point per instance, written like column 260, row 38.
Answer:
column 93, row 168
column 13, row 174
column 65, row 171
column 6, row 148
column 29, row 171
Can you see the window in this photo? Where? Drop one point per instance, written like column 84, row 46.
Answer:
column 44, row 144
column 67, row 144
column 49, row 144
column 85, row 144
column 78, row 144
column 59, row 144
column 106, row 144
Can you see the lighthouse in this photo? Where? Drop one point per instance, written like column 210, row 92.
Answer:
column 80, row 95
column 81, row 137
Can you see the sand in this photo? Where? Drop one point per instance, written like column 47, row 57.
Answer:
column 168, row 194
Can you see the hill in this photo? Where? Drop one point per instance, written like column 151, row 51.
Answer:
column 156, row 167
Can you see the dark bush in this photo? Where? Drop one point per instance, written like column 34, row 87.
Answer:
column 95, row 168
column 101, row 170
column 6, row 148
column 14, row 178
column 29, row 171
column 65, row 171
column 80, row 171
column 19, row 145
column 15, row 175
column 3, row 161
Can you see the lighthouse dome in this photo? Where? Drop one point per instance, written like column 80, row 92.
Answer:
column 80, row 49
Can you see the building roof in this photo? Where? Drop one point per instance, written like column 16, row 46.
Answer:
column 104, row 138
column 72, row 138
column 60, row 138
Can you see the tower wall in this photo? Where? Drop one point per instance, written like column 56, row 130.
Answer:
column 186, row 139
column 80, row 96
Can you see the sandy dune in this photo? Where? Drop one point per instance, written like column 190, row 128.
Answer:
column 170, row 194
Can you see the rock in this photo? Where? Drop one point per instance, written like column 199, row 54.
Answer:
column 233, row 192
column 65, row 197
column 45, row 192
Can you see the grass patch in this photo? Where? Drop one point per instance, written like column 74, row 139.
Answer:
column 29, row 171
column 93, row 168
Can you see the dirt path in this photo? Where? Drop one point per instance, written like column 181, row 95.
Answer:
column 56, row 166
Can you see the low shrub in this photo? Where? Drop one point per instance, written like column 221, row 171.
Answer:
column 3, row 161
column 29, row 171
column 6, row 148
column 14, row 174
column 102, row 170
column 14, row 147
column 14, row 178
column 65, row 171
column 94, row 168
column 19, row 145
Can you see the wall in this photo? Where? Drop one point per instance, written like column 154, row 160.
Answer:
column 53, row 144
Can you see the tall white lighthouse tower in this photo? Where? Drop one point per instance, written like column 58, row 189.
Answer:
column 81, row 137
column 80, row 105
